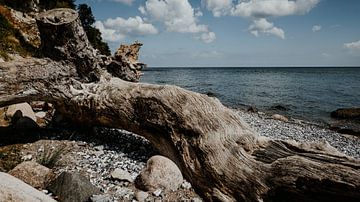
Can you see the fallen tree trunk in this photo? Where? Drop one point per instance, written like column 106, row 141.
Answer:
column 222, row 157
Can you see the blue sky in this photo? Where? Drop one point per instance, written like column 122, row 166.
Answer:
column 236, row 33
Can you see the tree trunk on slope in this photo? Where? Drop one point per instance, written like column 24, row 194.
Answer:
column 223, row 158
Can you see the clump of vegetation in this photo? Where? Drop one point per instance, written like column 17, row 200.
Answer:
column 94, row 35
column 11, row 40
column 49, row 157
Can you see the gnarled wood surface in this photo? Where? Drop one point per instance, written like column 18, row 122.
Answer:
column 223, row 158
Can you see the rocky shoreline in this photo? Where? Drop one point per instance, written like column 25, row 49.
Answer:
column 96, row 153
column 301, row 131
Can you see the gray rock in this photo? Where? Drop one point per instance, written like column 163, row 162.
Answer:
column 122, row 175
column 196, row 199
column 99, row 148
column 27, row 157
column 157, row 192
column 100, row 198
column 70, row 187
column 279, row 117
column 124, row 192
column 32, row 173
column 186, row 185
column 160, row 172
column 141, row 196
column 40, row 114
column 13, row 189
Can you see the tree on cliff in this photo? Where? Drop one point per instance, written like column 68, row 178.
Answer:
column 50, row 4
column 94, row 35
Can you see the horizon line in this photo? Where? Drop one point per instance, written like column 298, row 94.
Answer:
column 252, row 67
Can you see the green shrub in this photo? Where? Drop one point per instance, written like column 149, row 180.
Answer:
column 50, row 157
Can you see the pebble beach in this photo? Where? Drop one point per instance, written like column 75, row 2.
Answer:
column 97, row 160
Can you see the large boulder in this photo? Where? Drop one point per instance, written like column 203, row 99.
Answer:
column 25, row 109
column 13, row 189
column 346, row 113
column 71, row 187
column 159, row 173
column 33, row 174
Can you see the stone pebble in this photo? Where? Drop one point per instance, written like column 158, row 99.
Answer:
column 301, row 131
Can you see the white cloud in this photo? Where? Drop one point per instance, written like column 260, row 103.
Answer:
column 118, row 28
column 128, row 2
column 177, row 16
column 218, row 7
column 265, row 27
column 316, row 28
column 270, row 8
column 142, row 10
column 207, row 37
column 352, row 45
column 108, row 34
column 259, row 11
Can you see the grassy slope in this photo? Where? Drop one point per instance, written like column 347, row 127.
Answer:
column 11, row 40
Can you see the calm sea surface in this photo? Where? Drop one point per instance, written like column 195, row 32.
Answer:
column 307, row 93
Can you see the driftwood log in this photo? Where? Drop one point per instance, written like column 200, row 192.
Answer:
column 222, row 157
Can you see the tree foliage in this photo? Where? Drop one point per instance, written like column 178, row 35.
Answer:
column 26, row 5
column 94, row 35
column 51, row 4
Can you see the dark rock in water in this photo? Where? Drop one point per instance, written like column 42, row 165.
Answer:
column 279, row 107
column 346, row 113
column 70, row 187
column 210, row 94
column 346, row 127
column 252, row 109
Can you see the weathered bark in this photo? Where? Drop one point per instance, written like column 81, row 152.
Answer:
column 63, row 38
column 223, row 158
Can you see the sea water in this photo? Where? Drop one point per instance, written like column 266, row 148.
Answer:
column 306, row 93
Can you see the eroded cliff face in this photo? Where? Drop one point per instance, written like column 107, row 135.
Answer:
column 24, row 22
column 19, row 35
column 124, row 64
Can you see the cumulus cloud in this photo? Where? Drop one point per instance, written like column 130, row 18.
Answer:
column 270, row 8
column 218, row 7
column 265, row 27
column 260, row 10
column 118, row 28
column 177, row 16
column 207, row 37
column 352, row 45
column 316, row 28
